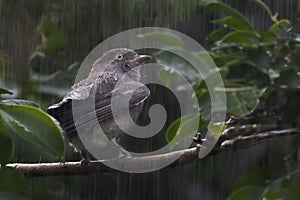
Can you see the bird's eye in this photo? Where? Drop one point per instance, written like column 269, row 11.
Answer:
column 119, row 57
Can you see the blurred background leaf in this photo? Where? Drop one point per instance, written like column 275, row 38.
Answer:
column 11, row 180
column 6, row 143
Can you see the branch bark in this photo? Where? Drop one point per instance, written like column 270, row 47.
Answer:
column 187, row 156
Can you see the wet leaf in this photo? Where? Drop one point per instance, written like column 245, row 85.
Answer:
column 163, row 38
column 6, row 144
column 232, row 12
column 217, row 34
column 261, row 59
column 293, row 187
column 167, row 75
column 19, row 102
column 288, row 78
column 204, row 100
column 265, row 7
column 54, row 40
column 277, row 194
column 247, row 193
column 279, row 26
column 243, row 38
column 268, row 37
column 5, row 91
column 244, row 73
column 183, row 127
column 35, row 126
column 176, row 60
column 227, row 59
column 241, row 101
column 255, row 177
column 52, row 44
column 234, row 23
column 216, row 129
column 11, row 180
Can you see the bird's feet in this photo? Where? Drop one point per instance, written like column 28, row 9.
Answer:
column 85, row 158
column 198, row 138
column 84, row 162
column 124, row 154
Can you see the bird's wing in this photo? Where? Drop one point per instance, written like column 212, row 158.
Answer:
column 79, row 91
column 102, row 110
column 85, row 89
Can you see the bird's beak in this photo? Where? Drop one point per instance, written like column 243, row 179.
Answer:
column 141, row 59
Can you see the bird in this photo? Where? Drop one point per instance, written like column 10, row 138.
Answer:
column 98, row 88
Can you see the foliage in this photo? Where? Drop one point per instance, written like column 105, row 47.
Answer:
column 261, row 74
column 260, row 184
column 11, row 180
column 249, row 61
column 25, row 119
column 180, row 129
column 268, row 62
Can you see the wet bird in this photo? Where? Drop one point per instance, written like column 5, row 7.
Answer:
column 97, row 90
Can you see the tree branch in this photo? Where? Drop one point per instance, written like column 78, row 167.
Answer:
column 187, row 156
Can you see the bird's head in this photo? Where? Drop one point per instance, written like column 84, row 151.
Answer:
column 119, row 60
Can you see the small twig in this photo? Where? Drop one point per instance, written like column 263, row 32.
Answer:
column 254, row 139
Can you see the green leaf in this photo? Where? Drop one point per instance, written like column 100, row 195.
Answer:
column 163, row 38
column 183, row 127
column 227, row 59
column 204, row 100
column 5, row 91
column 173, row 128
column 233, row 23
column 261, row 59
column 19, row 102
column 265, row 7
column 242, row 100
column 52, row 44
column 277, row 194
column 166, row 75
column 245, row 73
column 254, row 177
column 176, row 59
column 11, row 180
column 49, row 29
column 288, row 78
column 217, row 34
column 247, row 193
column 243, row 38
column 232, row 12
column 293, row 187
column 279, row 26
column 35, row 126
column 268, row 37
column 54, row 40
column 216, row 129
column 6, row 144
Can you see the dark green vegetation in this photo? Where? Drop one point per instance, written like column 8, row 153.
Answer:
column 260, row 68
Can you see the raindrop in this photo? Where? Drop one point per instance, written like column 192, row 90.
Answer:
column 286, row 59
column 269, row 53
